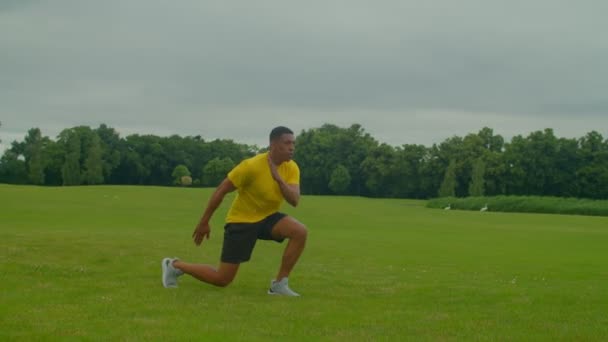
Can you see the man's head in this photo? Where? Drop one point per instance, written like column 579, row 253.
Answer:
column 282, row 144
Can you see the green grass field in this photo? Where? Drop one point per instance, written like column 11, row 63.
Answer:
column 84, row 263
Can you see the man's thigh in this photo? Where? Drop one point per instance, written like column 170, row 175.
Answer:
column 288, row 228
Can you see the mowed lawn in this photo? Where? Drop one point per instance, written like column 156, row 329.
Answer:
column 84, row 263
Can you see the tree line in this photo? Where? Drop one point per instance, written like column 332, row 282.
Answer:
column 332, row 159
column 82, row 155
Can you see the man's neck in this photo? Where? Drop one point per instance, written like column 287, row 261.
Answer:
column 274, row 159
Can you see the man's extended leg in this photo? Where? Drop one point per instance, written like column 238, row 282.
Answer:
column 296, row 232
column 209, row 274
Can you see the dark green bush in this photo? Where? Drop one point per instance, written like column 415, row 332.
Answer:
column 525, row 204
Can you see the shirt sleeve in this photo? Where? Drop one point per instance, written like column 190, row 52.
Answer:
column 294, row 175
column 238, row 175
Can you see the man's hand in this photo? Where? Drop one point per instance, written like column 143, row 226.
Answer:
column 201, row 231
column 273, row 170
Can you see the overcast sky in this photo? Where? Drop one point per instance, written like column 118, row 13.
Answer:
column 408, row 71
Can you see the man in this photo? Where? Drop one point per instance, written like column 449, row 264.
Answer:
column 262, row 182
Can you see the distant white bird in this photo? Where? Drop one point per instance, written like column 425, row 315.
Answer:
column 484, row 208
column 448, row 207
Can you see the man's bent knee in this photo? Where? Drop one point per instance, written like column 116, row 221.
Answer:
column 227, row 272
column 223, row 282
column 295, row 231
column 299, row 233
column 289, row 228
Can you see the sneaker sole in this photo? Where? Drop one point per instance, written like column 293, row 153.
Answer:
column 280, row 294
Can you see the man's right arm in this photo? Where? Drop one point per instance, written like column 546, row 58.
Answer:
column 203, row 229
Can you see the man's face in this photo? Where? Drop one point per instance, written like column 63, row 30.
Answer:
column 283, row 147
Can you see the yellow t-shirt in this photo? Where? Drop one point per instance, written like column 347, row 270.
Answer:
column 259, row 194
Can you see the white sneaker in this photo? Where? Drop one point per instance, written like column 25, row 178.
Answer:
column 170, row 273
column 281, row 288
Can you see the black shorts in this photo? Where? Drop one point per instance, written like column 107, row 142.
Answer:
column 240, row 238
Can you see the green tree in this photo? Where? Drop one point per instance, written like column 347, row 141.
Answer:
column 491, row 142
column 448, row 186
column 532, row 164
column 110, row 147
column 54, row 155
column 515, row 166
column 592, row 174
column 432, row 171
column 36, row 167
column 566, row 161
column 178, row 172
column 34, row 156
column 494, row 164
column 457, row 151
column 93, row 164
column 147, row 160
column 464, row 152
column 340, row 180
column 494, row 174
column 408, row 168
column 320, row 149
column 216, row 170
column 378, row 171
column 131, row 169
column 32, row 150
column 12, row 168
column 71, row 167
column 477, row 184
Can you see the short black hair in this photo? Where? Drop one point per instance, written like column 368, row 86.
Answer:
column 278, row 131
